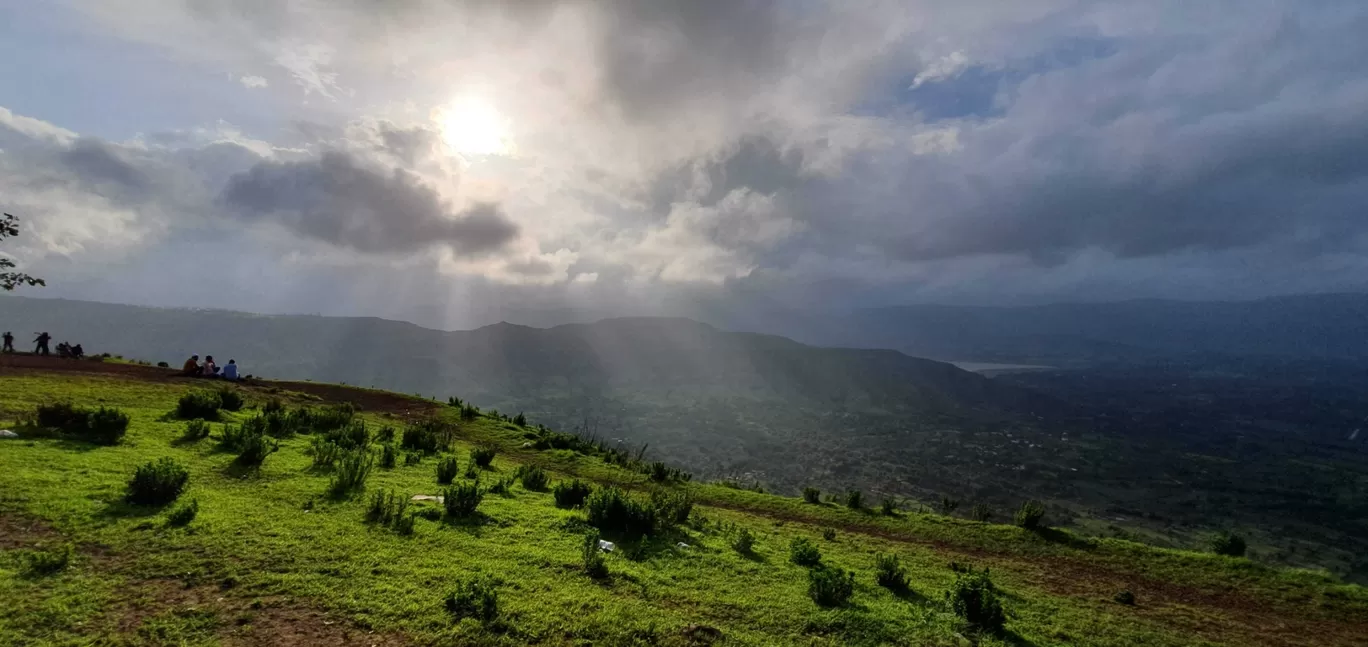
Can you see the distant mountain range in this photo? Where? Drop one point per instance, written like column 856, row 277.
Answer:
column 509, row 364
column 1328, row 327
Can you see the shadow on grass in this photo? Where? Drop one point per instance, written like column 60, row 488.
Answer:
column 472, row 525
column 239, row 470
column 57, row 438
column 120, row 509
column 1057, row 536
column 909, row 595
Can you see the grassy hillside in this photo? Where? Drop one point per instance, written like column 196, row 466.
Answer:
column 271, row 558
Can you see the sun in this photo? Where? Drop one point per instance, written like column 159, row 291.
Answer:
column 472, row 126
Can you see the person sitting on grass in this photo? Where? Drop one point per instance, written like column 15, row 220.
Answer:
column 210, row 369
column 192, row 367
column 230, row 370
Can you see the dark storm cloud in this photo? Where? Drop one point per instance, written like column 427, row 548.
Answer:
column 95, row 161
column 339, row 200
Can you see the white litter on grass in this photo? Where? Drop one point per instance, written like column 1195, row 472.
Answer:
column 681, row 545
column 606, row 546
column 5, row 433
column 426, row 497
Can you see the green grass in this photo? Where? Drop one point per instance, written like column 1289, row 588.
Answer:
column 273, row 537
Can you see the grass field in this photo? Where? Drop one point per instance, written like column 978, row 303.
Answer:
column 271, row 560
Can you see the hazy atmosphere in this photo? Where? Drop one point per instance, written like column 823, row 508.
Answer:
column 457, row 163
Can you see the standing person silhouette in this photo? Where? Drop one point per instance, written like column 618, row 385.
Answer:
column 9, row 343
column 42, row 340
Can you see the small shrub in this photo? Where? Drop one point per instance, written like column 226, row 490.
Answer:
column 570, row 494
column 471, row 472
column 503, row 487
column 405, row 525
column 804, row 553
column 948, row 506
column 351, row 435
column 974, row 598
column 105, row 426
column 520, row 420
column 812, row 495
column 854, row 500
column 888, row 507
column 273, row 405
column 412, row 458
column 199, row 404
column 387, row 508
column 611, row 510
column 158, row 482
column 183, row 515
column 230, row 399
column 483, row 456
column 195, row 430
column 980, row 512
column 254, row 449
column 1228, row 543
column 462, row 499
column 388, row 457
column 594, row 564
column 672, row 507
column 350, row 473
column 60, row 415
column 385, row 435
column 829, row 534
column 533, row 478
column 163, row 365
column 889, row 573
column 473, row 598
column 1125, row 596
column 447, row 469
column 322, row 421
column 38, row 563
column 744, row 542
column 830, row 587
column 325, row 453
column 1030, row 515
column 428, row 436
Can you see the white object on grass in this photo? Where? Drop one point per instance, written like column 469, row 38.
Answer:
column 606, row 546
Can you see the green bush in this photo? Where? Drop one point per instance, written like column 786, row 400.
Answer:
column 483, row 456
column 594, row 564
column 1228, row 543
column 158, row 482
column 804, row 553
column 183, row 515
column 385, row 435
column 230, row 399
column 473, row 598
column 38, row 563
column 503, row 486
column 199, row 404
column 390, row 510
column 1030, row 515
column 744, row 542
column 672, row 507
column 254, row 447
column 829, row 533
column 103, row 426
column 273, row 405
column 322, row 421
column 388, row 457
column 461, row 500
column 350, row 473
column 948, row 506
column 888, row 507
column 325, row 453
column 412, row 458
column 520, row 420
column 830, row 587
column 428, row 436
column 854, row 500
column 195, row 430
column 611, row 510
column 1125, row 596
column 889, row 572
column 974, row 598
column 812, row 495
column 447, row 469
column 533, row 477
column 351, row 435
column 980, row 512
column 570, row 494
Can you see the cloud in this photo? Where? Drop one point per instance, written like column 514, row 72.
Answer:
column 338, row 199
column 253, row 81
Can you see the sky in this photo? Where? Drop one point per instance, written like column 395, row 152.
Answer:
column 459, row 162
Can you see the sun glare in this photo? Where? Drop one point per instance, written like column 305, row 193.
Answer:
column 473, row 127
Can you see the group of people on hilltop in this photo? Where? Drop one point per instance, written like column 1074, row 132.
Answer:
column 41, row 342
column 193, row 368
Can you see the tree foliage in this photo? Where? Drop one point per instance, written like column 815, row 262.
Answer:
column 9, row 227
